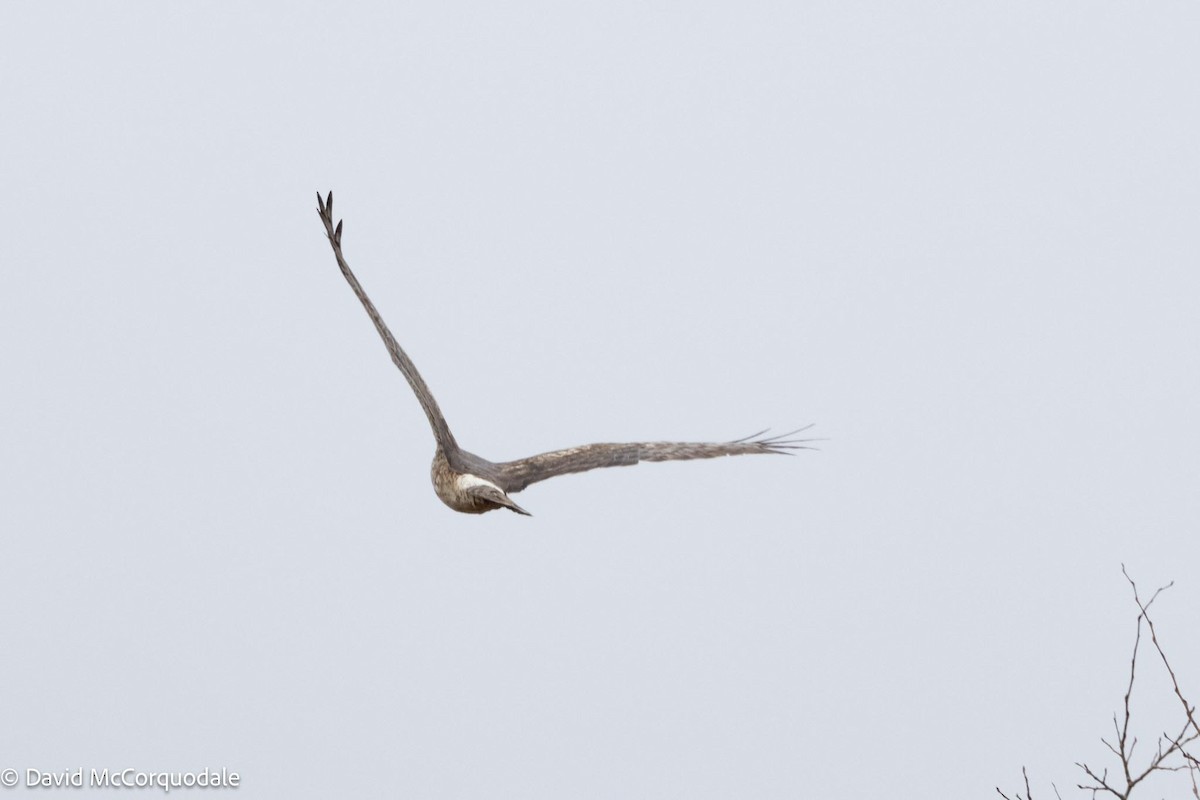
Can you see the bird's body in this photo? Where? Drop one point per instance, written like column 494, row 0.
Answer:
column 463, row 489
column 473, row 485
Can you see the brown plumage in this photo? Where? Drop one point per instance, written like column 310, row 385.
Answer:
column 473, row 485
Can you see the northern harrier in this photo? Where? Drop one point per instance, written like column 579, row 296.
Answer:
column 473, row 485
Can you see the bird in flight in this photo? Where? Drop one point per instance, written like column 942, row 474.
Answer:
column 474, row 485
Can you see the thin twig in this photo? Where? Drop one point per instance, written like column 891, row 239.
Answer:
column 1188, row 709
column 1125, row 743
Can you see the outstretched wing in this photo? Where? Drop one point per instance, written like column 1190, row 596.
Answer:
column 441, row 430
column 516, row 475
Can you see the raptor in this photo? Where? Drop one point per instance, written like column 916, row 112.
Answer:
column 473, row 485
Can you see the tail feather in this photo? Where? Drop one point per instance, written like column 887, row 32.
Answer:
column 493, row 494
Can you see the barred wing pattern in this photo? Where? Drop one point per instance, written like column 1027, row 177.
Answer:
column 441, row 430
column 516, row 475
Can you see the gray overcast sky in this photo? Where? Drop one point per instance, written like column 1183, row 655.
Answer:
column 960, row 238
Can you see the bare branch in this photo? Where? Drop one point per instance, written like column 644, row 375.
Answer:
column 1028, row 793
column 1188, row 709
column 1171, row 753
column 1101, row 784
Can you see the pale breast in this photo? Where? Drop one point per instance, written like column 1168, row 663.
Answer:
column 453, row 488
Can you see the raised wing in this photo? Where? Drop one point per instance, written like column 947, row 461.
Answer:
column 516, row 475
column 441, row 431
